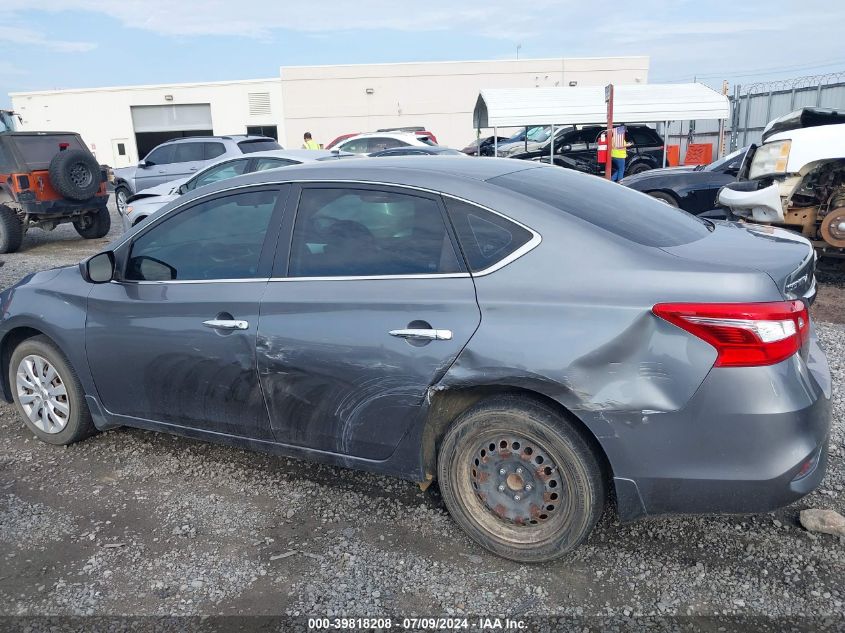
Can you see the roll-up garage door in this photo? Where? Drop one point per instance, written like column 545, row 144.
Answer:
column 155, row 124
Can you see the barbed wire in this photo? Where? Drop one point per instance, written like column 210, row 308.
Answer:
column 805, row 81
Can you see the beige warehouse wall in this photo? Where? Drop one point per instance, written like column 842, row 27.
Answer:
column 333, row 100
column 103, row 114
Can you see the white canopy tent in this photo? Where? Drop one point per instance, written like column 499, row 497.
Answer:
column 638, row 103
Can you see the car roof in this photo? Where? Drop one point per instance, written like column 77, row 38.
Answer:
column 225, row 137
column 426, row 172
column 397, row 135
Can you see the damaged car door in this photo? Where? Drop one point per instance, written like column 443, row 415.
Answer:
column 369, row 306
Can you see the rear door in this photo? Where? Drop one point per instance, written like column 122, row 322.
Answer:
column 188, row 158
column 369, row 306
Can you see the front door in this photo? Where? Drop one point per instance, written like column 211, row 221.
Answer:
column 374, row 307
column 173, row 341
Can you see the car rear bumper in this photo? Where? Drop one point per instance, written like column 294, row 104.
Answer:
column 750, row 440
column 61, row 207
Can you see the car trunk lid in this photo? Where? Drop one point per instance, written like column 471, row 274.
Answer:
column 784, row 256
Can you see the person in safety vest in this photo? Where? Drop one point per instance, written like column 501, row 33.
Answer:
column 309, row 143
column 619, row 152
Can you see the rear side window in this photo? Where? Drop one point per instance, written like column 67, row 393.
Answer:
column 38, row 150
column 188, row 152
column 365, row 232
column 258, row 145
column 486, row 238
column 213, row 150
column 614, row 208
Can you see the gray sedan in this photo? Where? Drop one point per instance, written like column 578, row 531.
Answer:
column 536, row 340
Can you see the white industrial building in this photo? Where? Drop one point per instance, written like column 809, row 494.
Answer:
column 121, row 124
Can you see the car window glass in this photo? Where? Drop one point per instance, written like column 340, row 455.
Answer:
column 641, row 136
column 378, row 143
column 213, row 150
column 357, row 232
column 161, row 155
column 272, row 163
column 258, row 145
column 619, row 210
column 731, row 161
column 188, row 152
column 486, row 238
column 216, row 239
column 356, row 146
column 36, row 149
column 219, row 172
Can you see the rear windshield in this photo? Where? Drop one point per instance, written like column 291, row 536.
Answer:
column 258, row 145
column 612, row 207
column 39, row 150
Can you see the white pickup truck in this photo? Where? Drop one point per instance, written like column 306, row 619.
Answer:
column 796, row 178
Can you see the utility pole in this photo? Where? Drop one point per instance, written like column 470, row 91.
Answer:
column 518, row 46
column 722, row 123
column 608, row 99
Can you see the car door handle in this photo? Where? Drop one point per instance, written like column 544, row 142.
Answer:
column 423, row 335
column 226, row 324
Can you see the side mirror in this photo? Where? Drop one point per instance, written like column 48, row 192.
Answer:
column 565, row 148
column 182, row 190
column 143, row 164
column 98, row 269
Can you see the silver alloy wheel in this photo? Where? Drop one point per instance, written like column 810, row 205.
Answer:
column 120, row 200
column 42, row 394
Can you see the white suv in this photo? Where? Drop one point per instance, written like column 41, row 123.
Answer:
column 378, row 141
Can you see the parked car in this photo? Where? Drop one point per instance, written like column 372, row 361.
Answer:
column 796, row 178
column 484, row 146
column 47, row 179
column 378, row 141
column 416, row 319
column 413, row 129
column 180, row 158
column 692, row 188
column 524, row 138
column 433, row 150
column 340, row 138
column 144, row 203
column 577, row 148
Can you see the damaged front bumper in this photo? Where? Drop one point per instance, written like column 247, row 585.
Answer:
column 747, row 201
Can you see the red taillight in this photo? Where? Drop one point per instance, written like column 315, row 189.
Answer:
column 744, row 334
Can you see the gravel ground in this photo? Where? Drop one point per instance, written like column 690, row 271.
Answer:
column 134, row 522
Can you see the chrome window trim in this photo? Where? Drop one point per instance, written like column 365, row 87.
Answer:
column 190, row 281
column 530, row 245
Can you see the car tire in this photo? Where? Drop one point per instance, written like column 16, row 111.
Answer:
column 534, row 497
column 75, row 174
column 121, row 196
column 94, row 225
column 668, row 198
column 36, row 359
column 11, row 230
column 637, row 168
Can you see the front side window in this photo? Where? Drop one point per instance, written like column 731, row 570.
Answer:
column 486, row 238
column 188, row 152
column 356, row 146
column 219, row 172
column 343, row 232
column 215, row 239
column 161, row 155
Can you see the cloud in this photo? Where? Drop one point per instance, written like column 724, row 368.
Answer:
column 11, row 34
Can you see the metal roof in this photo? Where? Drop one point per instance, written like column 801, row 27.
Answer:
column 636, row 103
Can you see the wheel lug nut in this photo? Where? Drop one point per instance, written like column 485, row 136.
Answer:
column 501, row 488
column 527, row 487
column 516, row 497
column 502, row 471
column 519, row 471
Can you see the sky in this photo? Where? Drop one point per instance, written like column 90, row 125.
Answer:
column 47, row 44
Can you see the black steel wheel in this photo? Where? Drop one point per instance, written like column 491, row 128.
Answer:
column 520, row 479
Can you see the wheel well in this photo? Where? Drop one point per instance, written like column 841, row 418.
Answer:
column 667, row 192
column 10, row 342
column 448, row 404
